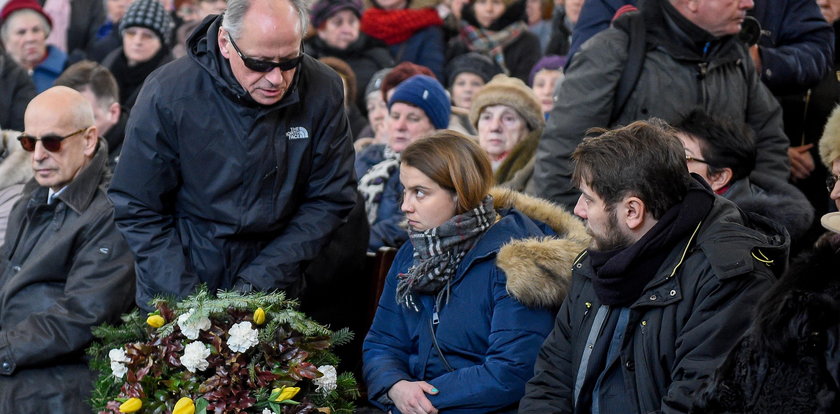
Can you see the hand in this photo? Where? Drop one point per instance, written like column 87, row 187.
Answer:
column 410, row 397
column 801, row 161
column 756, row 57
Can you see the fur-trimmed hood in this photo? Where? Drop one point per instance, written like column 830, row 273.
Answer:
column 539, row 270
column 14, row 164
column 830, row 141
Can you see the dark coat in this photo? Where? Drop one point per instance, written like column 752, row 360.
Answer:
column 130, row 78
column 674, row 79
column 681, row 326
column 425, row 47
column 16, row 90
column 213, row 188
column 63, row 270
column 86, row 16
column 789, row 361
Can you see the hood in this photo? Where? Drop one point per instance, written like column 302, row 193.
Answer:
column 14, row 165
column 777, row 200
column 539, row 269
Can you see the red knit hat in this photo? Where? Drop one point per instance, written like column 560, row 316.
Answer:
column 15, row 5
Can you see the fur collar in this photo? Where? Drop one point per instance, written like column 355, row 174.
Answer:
column 14, row 168
column 539, row 270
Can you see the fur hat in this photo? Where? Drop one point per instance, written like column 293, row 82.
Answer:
column 151, row 15
column 504, row 90
column 830, row 141
column 324, row 9
column 472, row 62
column 15, row 5
column 427, row 94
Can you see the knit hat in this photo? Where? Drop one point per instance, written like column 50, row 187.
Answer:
column 324, row 9
column 375, row 83
column 427, row 94
column 830, row 141
column 549, row 62
column 504, row 90
column 15, row 5
column 472, row 62
column 151, row 15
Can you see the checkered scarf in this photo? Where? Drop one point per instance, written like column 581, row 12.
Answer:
column 491, row 43
column 438, row 252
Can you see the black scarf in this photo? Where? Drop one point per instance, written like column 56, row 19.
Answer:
column 621, row 275
column 130, row 78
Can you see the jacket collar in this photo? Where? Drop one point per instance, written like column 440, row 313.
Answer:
column 82, row 190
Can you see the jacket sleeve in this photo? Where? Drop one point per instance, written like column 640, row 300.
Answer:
column 516, row 333
column 764, row 115
column 97, row 286
column 799, row 50
column 330, row 195
column 386, row 348
column 717, row 320
column 389, row 229
column 587, row 93
column 551, row 389
column 143, row 192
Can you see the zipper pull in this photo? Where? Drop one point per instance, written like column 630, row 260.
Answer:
column 435, row 318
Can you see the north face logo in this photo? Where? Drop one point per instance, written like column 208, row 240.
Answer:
column 298, row 133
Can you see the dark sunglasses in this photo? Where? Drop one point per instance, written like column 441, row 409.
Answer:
column 51, row 142
column 830, row 181
column 258, row 65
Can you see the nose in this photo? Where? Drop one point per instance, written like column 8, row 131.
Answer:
column 495, row 124
column 275, row 76
column 835, row 192
column 406, row 206
column 39, row 154
column 747, row 4
column 580, row 210
column 399, row 124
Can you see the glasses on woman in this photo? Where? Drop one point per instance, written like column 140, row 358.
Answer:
column 689, row 158
column 258, row 65
column 831, row 181
column 51, row 142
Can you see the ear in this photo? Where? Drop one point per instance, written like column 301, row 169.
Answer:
column 222, row 39
column 721, row 179
column 634, row 213
column 114, row 112
column 91, row 137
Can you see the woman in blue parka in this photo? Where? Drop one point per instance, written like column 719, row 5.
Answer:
column 468, row 302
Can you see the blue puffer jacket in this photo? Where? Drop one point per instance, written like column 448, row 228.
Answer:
column 425, row 47
column 501, row 308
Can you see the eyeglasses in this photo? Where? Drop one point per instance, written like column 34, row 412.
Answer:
column 258, row 65
column 831, row 181
column 51, row 142
column 689, row 158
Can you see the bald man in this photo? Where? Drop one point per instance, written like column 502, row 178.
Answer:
column 64, row 267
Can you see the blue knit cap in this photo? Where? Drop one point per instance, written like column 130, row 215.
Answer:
column 427, row 94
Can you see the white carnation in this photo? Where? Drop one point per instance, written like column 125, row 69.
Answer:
column 118, row 359
column 195, row 357
column 326, row 383
column 242, row 337
column 267, row 411
column 118, row 355
column 191, row 330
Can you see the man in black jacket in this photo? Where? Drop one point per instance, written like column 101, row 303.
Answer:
column 665, row 288
column 64, row 267
column 237, row 165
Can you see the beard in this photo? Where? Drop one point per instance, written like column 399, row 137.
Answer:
column 611, row 239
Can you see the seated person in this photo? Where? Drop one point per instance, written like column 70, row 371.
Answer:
column 65, row 267
column 467, row 303
column 417, row 108
column 543, row 80
column 830, row 156
column 723, row 153
column 24, row 31
column 375, row 131
column 15, row 171
column 465, row 75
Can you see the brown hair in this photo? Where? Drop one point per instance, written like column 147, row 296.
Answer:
column 455, row 163
column 90, row 75
column 400, row 73
column 346, row 72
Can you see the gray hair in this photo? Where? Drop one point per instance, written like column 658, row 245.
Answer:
column 236, row 9
column 4, row 30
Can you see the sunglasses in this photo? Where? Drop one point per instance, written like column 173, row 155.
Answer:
column 689, row 158
column 258, row 65
column 831, row 181
column 51, row 142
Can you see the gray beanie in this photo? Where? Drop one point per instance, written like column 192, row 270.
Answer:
column 151, row 15
column 375, row 82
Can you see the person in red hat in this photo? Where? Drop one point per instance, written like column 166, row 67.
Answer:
column 24, row 31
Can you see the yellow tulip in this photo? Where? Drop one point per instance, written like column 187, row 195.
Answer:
column 259, row 316
column 184, row 406
column 131, row 405
column 286, row 393
column 155, row 321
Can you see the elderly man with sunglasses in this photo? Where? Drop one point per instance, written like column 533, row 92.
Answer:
column 64, row 267
column 237, row 164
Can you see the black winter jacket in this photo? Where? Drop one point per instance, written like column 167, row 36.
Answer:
column 682, row 325
column 214, row 188
column 16, row 90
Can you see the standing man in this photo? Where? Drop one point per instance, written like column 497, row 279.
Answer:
column 238, row 161
column 664, row 290
column 64, row 267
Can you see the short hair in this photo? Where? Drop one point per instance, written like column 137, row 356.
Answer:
column 455, row 163
column 236, row 9
column 724, row 142
column 93, row 76
column 642, row 159
column 346, row 72
column 4, row 29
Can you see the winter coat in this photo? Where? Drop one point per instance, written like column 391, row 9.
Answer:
column 520, row 55
column 517, row 169
column 45, row 74
column 390, row 228
column 16, row 90
column 681, row 326
column 86, row 16
column 673, row 81
column 502, row 301
column 425, row 47
column 789, row 360
column 130, row 78
column 15, row 170
column 366, row 56
column 63, row 270
column 213, row 188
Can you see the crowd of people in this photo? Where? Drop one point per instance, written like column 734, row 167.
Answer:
column 605, row 206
